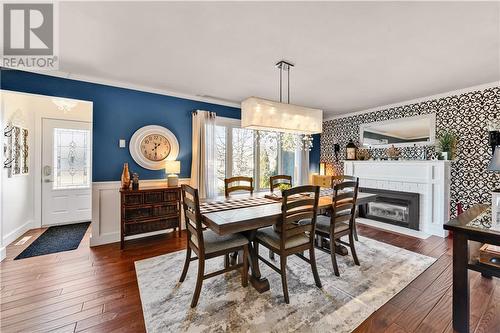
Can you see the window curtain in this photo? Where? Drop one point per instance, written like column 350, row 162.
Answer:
column 302, row 158
column 203, row 159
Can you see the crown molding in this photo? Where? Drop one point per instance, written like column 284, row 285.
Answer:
column 417, row 100
column 126, row 85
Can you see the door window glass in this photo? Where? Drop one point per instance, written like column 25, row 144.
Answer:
column 71, row 158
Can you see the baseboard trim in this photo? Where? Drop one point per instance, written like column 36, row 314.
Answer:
column 393, row 228
column 13, row 235
column 114, row 237
column 3, row 253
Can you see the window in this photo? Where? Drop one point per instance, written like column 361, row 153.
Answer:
column 268, row 157
column 71, row 158
column 257, row 154
column 242, row 152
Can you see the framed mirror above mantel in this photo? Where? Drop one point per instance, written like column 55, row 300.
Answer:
column 402, row 132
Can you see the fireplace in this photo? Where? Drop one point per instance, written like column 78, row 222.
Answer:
column 394, row 207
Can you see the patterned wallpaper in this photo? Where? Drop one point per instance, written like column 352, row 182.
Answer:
column 466, row 115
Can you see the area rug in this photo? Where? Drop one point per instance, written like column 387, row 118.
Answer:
column 56, row 239
column 340, row 306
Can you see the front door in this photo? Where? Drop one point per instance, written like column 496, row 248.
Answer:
column 66, row 171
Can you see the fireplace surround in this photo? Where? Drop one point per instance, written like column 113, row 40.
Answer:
column 393, row 207
column 430, row 179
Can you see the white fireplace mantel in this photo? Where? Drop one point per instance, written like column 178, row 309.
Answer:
column 431, row 179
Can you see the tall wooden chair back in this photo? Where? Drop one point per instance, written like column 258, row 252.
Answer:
column 235, row 184
column 192, row 215
column 344, row 202
column 275, row 181
column 302, row 206
column 342, row 178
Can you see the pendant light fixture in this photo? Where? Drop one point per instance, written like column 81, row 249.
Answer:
column 263, row 114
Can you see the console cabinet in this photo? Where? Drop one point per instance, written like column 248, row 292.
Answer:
column 149, row 209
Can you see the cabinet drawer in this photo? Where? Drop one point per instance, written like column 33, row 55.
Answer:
column 149, row 226
column 138, row 213
column 133, row 199
column 154, row 197
column 172, row 195
column 166, row 209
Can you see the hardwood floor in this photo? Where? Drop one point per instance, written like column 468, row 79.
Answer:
column 95, row 289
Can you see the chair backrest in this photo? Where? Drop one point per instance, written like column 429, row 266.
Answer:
column 192, row 214
column 299, row 203
column 234, row 184
column 275, row 181
column 342, row 178
column 344, row 202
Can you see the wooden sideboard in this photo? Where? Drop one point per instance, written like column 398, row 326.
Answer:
column 149, row 209
column 470, row 230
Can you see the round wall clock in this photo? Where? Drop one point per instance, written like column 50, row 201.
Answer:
column 152, row 145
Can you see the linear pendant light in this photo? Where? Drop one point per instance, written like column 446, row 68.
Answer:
column 263, row 114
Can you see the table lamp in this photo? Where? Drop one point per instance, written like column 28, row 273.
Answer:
column 172, row 168
column 495, row 195
column 322, row 168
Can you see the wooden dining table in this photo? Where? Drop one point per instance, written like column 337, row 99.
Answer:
column 246, row 213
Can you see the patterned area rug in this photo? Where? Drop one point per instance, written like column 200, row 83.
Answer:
column 340, row 306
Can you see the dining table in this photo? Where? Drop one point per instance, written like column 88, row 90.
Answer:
column 246, row 213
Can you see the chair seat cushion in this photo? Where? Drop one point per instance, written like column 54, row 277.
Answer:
column 273, row 238
column 214, row 242
column 323, row 224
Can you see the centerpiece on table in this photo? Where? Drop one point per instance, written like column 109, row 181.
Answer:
column 276, row 195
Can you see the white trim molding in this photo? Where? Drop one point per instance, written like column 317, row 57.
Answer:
column 127, row 85
column 415, row 100
column 14, row 234
column 106, row 210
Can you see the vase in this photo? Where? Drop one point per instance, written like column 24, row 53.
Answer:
column 125, row 177
column 446, row 155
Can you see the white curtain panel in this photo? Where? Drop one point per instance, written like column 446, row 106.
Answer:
column 203, row 159
column 302, row 171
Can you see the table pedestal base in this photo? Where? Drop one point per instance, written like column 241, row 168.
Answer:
column 260, row 284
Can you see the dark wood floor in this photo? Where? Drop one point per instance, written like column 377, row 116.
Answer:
column 95, row 289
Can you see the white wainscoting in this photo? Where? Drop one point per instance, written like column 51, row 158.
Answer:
column 106, row 210
column 430, row 179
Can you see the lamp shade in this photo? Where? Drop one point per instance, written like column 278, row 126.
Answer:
column 172, row 167
column 262, row 114
column 495, row 160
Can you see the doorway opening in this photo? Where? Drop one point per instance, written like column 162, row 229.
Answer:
column 48, row 205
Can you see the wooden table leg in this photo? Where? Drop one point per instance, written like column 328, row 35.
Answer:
column 461, row 302
column 258, row 282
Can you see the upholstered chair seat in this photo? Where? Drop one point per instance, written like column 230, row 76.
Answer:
column 214, row 243
column 323, row 224
column 273, row 238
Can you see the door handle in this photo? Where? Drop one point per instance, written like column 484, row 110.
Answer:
column 47, row 180
column 47, row 170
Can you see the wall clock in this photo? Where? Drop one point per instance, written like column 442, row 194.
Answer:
column 152, row 145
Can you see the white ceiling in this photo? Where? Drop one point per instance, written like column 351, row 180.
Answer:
column 349, row 56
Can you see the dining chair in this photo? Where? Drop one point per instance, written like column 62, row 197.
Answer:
column 235, row 184
column 342, row 178
column 289, row 236
column 341, row 220
column 275, row 181
column 207, row 244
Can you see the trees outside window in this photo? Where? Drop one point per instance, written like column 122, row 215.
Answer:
column 257, row 154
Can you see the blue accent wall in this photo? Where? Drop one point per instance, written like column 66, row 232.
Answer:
column 118, row 113
column 314, row 155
